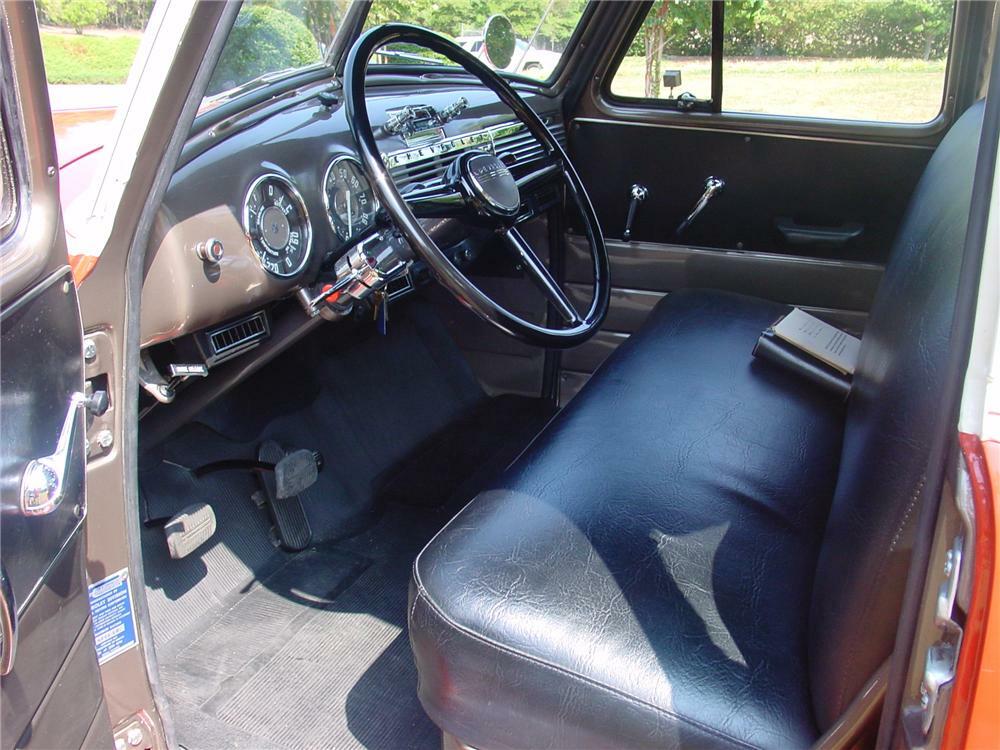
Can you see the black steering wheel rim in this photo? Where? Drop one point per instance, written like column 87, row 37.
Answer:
column 446, row 272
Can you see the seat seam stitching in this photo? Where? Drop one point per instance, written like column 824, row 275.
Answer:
column 842, row 693
column 422, row 593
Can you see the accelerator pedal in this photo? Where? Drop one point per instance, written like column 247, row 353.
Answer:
column 292, row 470
column 189, row 529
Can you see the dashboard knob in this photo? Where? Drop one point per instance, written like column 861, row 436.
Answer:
column 211, row 250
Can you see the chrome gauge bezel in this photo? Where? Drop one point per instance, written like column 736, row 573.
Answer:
column 326, row 196
column 300, row 204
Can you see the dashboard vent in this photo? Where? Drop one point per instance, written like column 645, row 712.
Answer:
column 236, row 337
column 427, row 165
column 524, row 146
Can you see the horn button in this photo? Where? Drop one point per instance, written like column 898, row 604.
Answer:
column 485, row 180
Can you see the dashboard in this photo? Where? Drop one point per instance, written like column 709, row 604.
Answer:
column 266, row 199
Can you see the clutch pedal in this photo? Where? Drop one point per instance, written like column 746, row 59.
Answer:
column 189, row 529
column 294, row 472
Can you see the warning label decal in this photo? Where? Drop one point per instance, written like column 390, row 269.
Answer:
column 114, row 620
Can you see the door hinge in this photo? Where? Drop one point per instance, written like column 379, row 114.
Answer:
column 941, row 658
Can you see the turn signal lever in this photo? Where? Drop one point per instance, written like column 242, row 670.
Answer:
column 362, row 271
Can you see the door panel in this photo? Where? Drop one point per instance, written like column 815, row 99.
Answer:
column 51, row 695
column 652, row 267
column 757, row 237
column 814, row 182
column 38, row 379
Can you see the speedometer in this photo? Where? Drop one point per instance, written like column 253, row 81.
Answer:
column 350, row 202
column 275, row 220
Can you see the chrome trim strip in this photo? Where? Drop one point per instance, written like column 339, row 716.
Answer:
column 748, row 132
column 623, row 248
column 486, row 137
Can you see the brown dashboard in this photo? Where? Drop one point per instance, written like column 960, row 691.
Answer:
column 285, row 176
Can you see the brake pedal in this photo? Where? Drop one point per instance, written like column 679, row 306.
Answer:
column 294, row 472
column 189, row 529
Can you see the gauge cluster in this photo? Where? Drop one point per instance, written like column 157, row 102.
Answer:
column 257, row 212
column 277, row 223
column 351, row 204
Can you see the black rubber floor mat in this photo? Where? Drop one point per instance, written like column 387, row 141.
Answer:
column 316, row 655
column 260, row 647
column 458, row 461
column 241, row 551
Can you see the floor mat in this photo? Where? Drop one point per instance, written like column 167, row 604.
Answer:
column 316, row 655
column 262, row 648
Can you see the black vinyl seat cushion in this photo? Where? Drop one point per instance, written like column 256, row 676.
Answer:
column 703, row 550
column 642, row 575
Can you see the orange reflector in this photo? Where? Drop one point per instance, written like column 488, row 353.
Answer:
column 82, row 265
column 972, row 720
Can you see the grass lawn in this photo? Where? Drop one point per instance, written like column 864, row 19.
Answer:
column 861, row 89
column 76, row 58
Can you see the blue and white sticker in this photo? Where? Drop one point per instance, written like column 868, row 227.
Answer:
column 114, row 618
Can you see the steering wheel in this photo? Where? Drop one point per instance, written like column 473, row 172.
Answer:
column 478, row 184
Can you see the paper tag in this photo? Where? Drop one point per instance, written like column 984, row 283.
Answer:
column 825, row 342
column 114, row 619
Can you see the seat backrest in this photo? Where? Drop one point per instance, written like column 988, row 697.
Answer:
column 866, row 549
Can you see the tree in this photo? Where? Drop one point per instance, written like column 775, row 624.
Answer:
column 653, row 32
column 76, row 13
column 321, row 17
column 263, row 39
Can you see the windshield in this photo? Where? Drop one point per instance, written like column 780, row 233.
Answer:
column 272, row 38
column 541, row 30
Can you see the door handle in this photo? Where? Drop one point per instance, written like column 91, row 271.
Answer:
column 43, row 484
column 806, row 234
column 8, row 624
column 713, row 186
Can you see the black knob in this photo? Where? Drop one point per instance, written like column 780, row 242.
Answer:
column 97, row 403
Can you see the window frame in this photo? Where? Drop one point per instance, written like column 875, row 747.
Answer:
column 11, row 183
column 711, row 113
column 12, row 133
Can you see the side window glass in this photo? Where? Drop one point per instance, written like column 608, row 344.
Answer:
column 89, row 47
column 875, row 60
column 671, row 54
column 868, row 60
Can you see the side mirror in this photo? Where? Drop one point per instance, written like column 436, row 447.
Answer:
column 671, row 79
column 498, row 41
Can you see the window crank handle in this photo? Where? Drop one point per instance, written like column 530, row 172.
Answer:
column 637, row 195
column 713, row 186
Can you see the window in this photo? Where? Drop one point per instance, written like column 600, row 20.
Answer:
column 542, row 30
column 881, row 60
column 88, row 48
column 680, row 33
column 271, row 37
